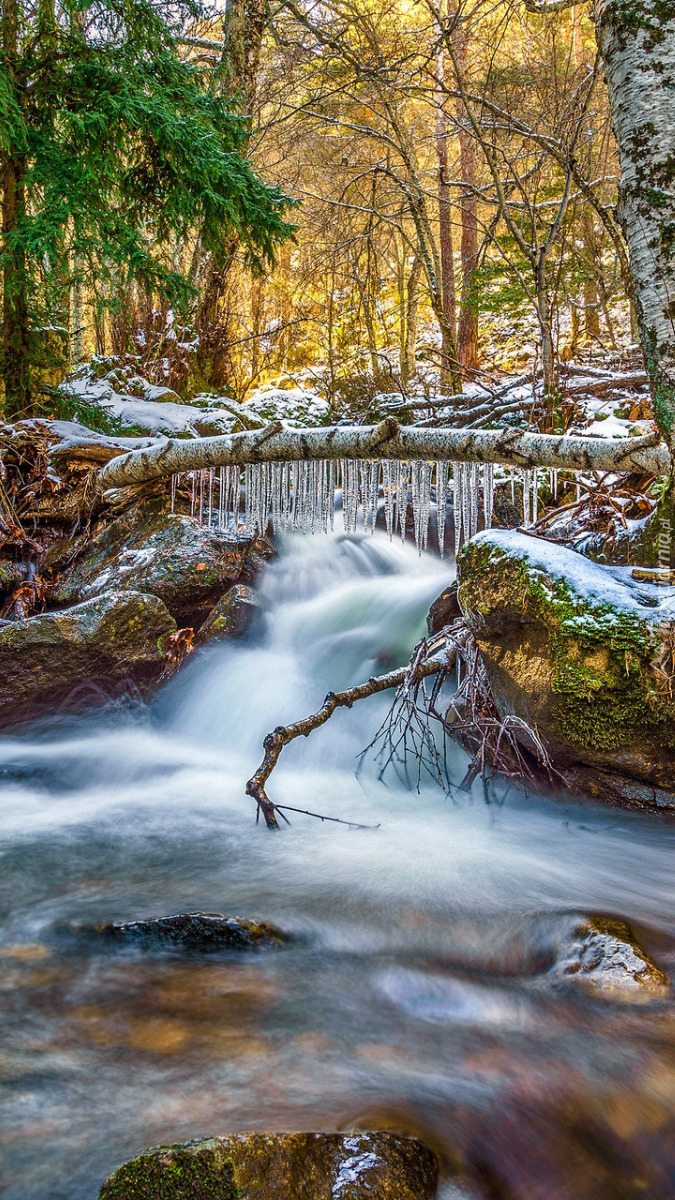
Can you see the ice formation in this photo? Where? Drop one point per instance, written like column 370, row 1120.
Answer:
column 305, row 495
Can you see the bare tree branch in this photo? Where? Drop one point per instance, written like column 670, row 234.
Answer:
column 283, row 734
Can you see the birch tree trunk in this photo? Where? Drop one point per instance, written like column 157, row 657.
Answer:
column 637, row 43
column 388, row 440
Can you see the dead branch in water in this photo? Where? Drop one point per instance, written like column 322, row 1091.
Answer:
column 498, row 745
column 405, row 679
column 503, row 745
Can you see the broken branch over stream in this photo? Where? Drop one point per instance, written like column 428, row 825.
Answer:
column 283, row 734
column 389, row 440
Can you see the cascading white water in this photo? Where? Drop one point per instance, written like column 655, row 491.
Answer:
column 415, row 984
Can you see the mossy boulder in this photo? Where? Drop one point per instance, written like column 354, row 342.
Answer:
column 280, row 1166
column 584, row 653
column 173, row 557
column 100, row 648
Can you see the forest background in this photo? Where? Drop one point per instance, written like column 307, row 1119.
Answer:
column 455, row 178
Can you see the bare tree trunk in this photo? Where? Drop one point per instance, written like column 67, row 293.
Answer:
column 467, row 331
column 412, row 293
column 448, row 328
column 16, row 366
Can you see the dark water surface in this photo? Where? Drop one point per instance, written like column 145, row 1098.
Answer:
column 417, row 994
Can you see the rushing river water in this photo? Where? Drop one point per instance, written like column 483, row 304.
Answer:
column 414, row 995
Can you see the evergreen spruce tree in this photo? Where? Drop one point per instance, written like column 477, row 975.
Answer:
column 113, row 146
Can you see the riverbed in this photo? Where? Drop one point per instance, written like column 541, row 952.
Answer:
column 415, row 992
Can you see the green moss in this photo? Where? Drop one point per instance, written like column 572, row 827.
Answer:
column 602, row 658
column 183, row 1173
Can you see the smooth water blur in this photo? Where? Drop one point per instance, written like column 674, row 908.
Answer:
column 416, row 993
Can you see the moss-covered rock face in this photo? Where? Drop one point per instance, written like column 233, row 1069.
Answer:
column 99, row 648
column 583, row 652
column 282, row 1166
column 150, row 550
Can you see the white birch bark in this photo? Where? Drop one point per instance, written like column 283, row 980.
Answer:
column 389, row 440
column 637, row 43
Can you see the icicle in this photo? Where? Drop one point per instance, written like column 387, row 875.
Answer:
column 402, row 497
column 441, row 496
column 458, row 502
column 350, row 494
column 192, row 492
column 526, row 475
column 513, row 486
column 370, row 487
column 535, row 495
column 388, row 490
column 488, row 493
column 173, row 493
column 210, row 496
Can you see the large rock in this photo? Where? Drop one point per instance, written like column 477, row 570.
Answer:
column 281, row 1166
column 174, row 557
column 603, row 954
column 99, row 648
column 583, row 652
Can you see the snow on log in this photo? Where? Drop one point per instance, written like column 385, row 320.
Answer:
column 389, row 440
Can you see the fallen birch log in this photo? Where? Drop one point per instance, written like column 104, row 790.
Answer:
column 389, row 440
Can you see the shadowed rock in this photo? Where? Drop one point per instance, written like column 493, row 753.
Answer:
column 100, row 648
column 204, row 932
column 281, row 1166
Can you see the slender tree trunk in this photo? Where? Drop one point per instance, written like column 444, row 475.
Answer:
column 637, row 43
column 408, row 361
column 591, row 315
column 548, row 355
column 467, row 330
column 448, row 327
column 16, row 367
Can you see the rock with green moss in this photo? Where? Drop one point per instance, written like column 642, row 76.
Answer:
column 174, row 557
column 280, row 1166
column 583, row 652
column 100, row 648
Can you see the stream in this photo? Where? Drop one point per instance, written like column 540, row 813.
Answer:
column 415, row 994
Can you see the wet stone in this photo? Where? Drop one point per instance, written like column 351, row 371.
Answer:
column 203, row 932
column 285, row 1166
column 604, row 954
column 232, row 616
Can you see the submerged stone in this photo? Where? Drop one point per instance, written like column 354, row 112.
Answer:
column 100, row 648
column 585, row 654
column 280, row 1166
column 604, row 954
column 194, row 931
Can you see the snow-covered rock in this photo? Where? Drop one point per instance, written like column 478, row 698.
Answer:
column 585, row 654
column 120, row 400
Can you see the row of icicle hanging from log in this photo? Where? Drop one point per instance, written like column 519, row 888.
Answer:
column 304, row 496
